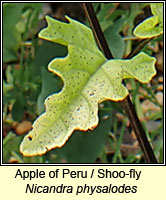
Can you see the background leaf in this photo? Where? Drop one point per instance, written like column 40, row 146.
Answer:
column 50, row 82
column 152, row 26
column 11, row 39
column 115, row 41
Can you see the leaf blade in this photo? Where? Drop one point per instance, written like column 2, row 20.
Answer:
column 69, row 33
column 88, row 80
column 152, row 26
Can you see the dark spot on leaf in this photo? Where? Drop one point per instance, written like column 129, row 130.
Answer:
column 157, row 25
column 30, row 138
column 92, row 93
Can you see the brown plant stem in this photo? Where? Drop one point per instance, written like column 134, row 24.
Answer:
column 139, row 47
column 126, row 103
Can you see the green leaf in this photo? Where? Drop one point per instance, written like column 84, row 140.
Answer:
column 114, row 39
column 18, row 109
column 66, row 34
column 10, row 150
column 85, row 147
column 16, row 18
column 152, row 26
column 8, row 84
column 50, row 84
column 11, row 39
column 157, row 9
column 88, row 79
column 10, row 143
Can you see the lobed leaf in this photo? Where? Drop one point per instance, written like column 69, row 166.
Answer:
column 88, row 80
column 152, row 26
column 66, row 34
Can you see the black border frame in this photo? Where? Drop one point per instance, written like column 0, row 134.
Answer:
column 81, row 164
